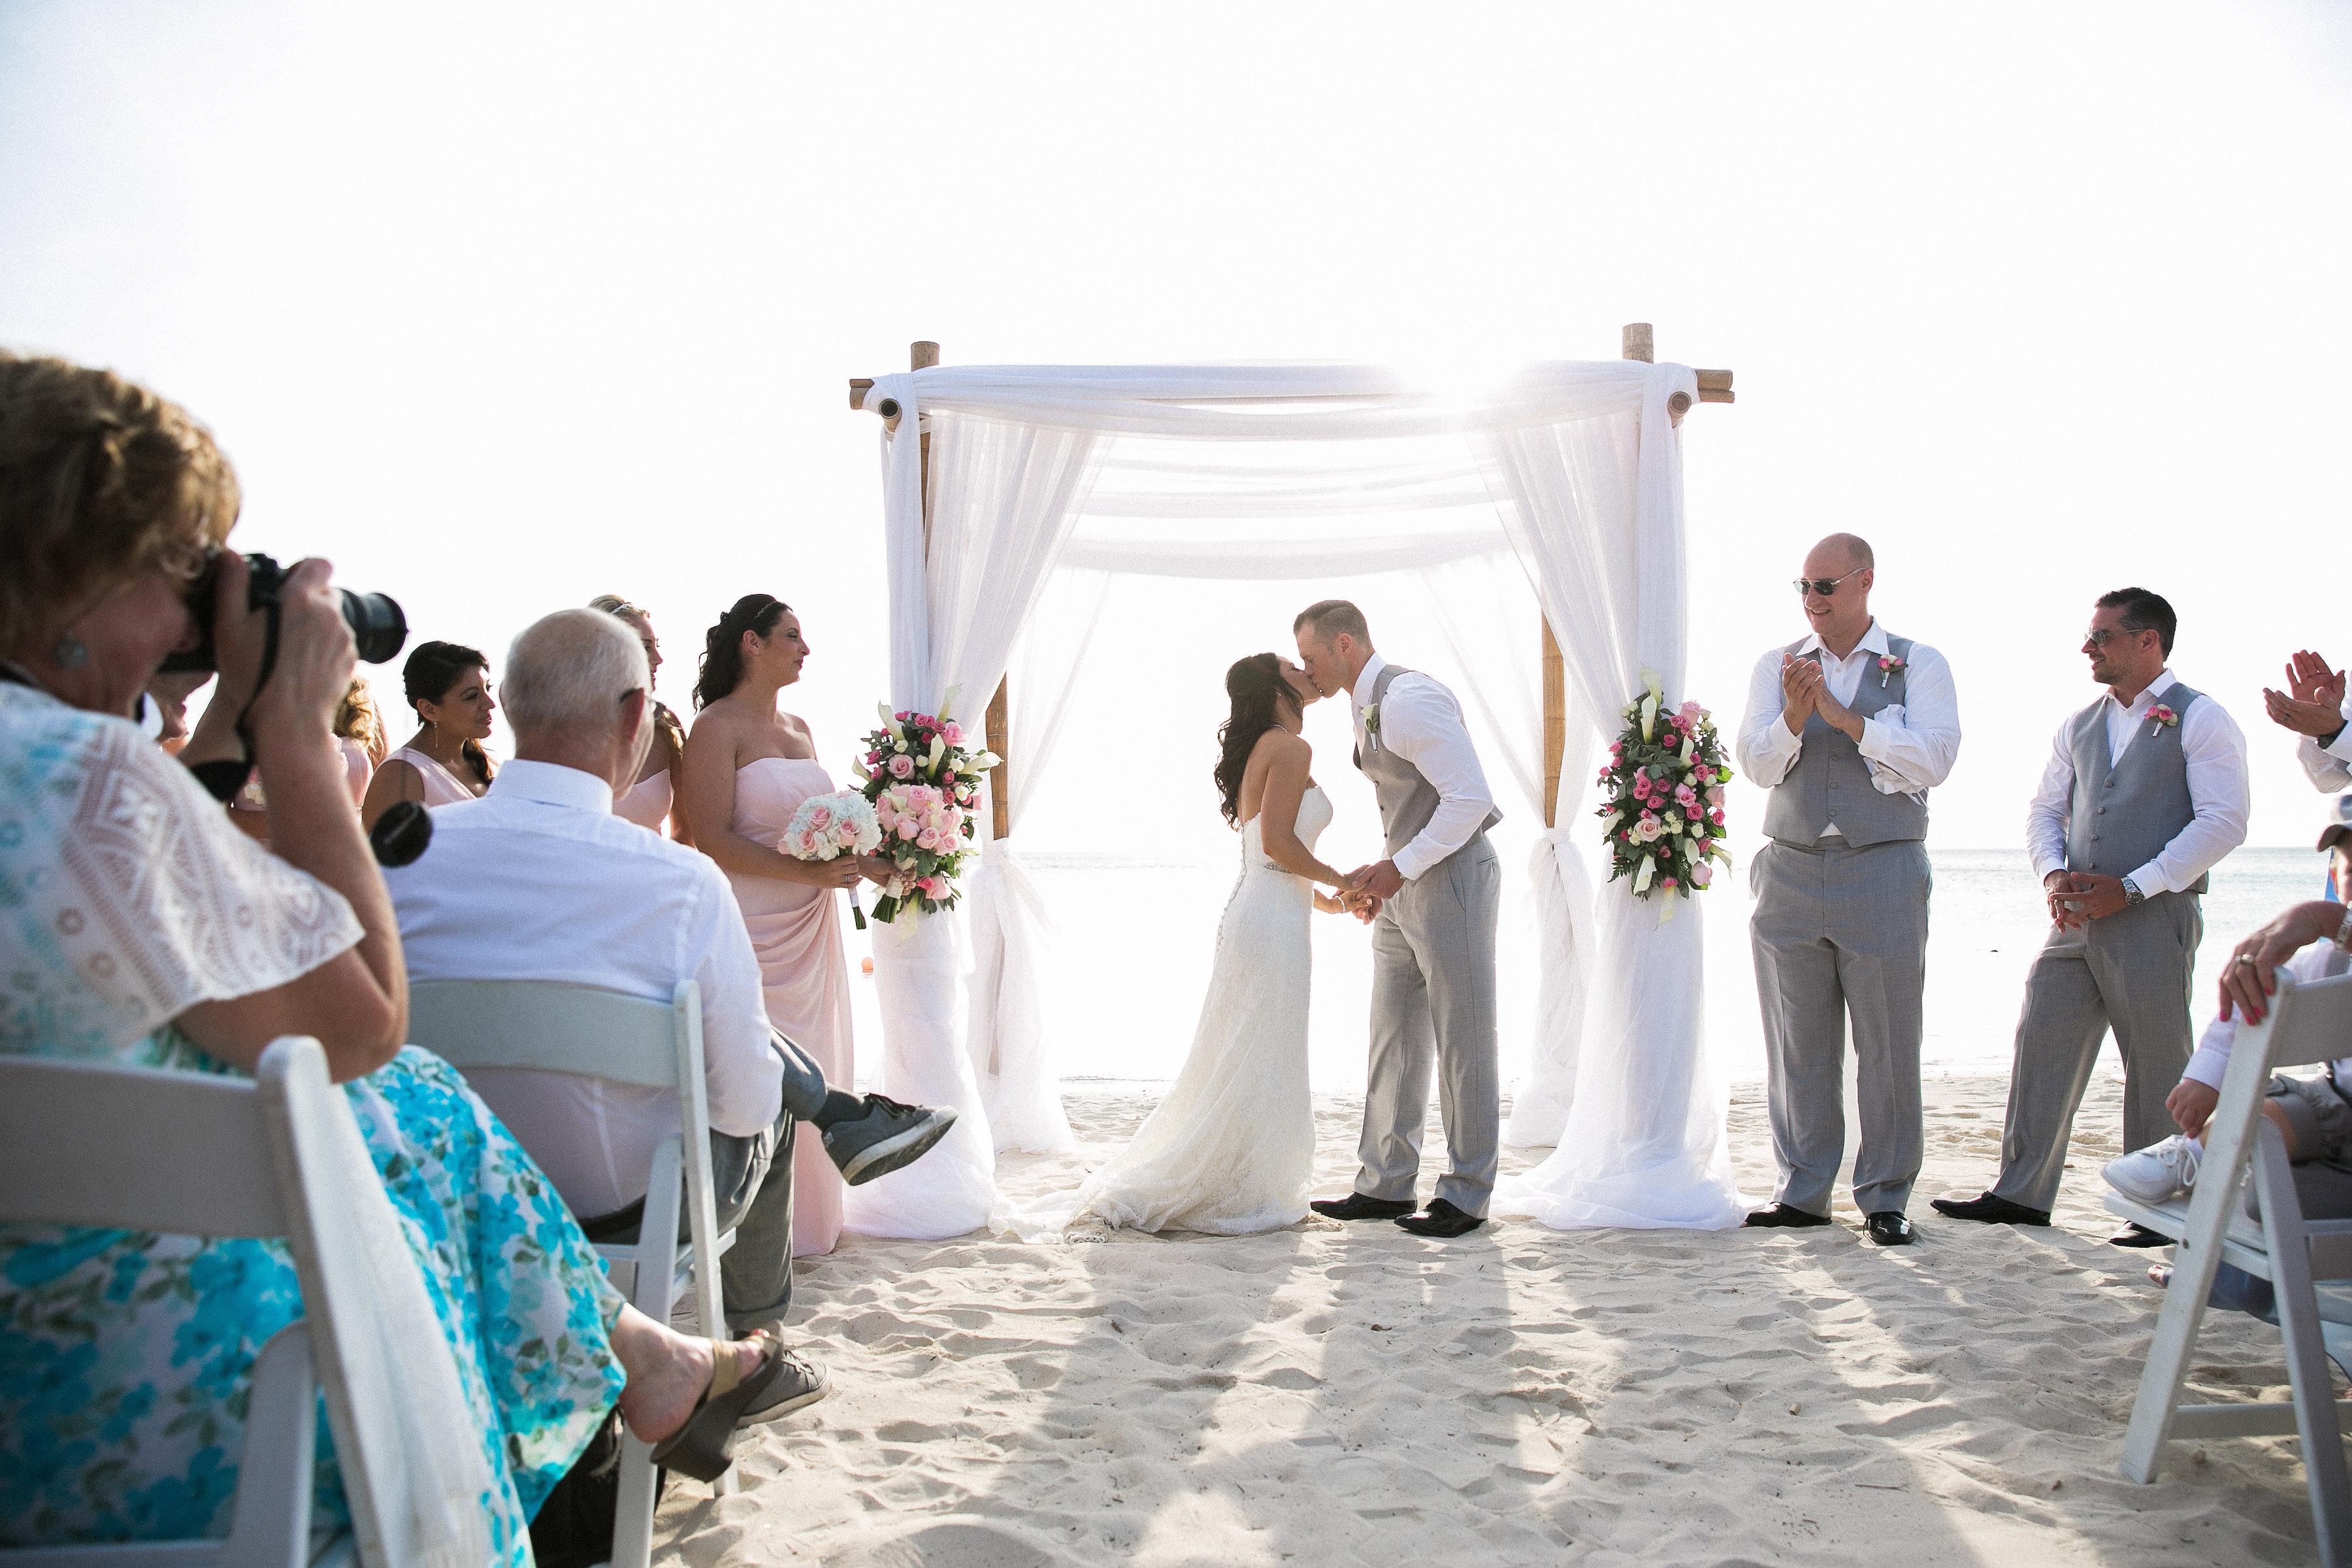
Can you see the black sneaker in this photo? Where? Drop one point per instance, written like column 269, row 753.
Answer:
column 888, row 1136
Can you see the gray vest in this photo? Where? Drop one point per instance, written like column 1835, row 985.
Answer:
column 1831, row 782
column 1406, row 799
column 2122, row 814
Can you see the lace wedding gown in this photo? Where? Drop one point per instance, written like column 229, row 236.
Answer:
column 1230, row 1151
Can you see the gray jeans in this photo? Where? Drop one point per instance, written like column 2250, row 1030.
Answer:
column 751, row 1181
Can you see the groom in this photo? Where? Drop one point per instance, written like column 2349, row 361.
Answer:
column 1433, row 905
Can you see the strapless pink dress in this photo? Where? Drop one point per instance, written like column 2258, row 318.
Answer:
column 804, row 970
column 647, row 801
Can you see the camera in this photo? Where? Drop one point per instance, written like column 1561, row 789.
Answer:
column 377, row 625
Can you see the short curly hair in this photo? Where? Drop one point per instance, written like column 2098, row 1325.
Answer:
column 98, row 479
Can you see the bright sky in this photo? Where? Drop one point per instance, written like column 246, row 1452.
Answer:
column 503, row 307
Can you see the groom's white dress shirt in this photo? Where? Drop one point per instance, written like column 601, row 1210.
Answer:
column 539, row 880
column 1421, row 722
column 2216, row 753
column 1908, row 747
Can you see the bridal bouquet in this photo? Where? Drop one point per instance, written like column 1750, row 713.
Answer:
column 922, row 783
column 826, row 826
column 1663, row 814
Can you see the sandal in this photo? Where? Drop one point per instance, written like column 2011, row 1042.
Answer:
column 704, row 1448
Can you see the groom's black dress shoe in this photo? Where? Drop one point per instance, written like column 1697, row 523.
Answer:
column 1441, row 1219
column 1991, row 1210
column 1355, row 1205
column 1889, row 1228
column 1781, row 1214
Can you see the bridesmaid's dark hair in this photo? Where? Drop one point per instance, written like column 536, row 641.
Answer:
column 1259, row 695
column 429, row 675
column 722, row 645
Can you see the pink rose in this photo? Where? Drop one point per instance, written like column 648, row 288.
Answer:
column 902, row 767
column 954, row 734
column 1668, row 882
column 1702, row 874
column 908, row 828
column 1716, row 817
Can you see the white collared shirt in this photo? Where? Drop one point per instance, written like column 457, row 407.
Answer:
column 2328, row 767
column 2217, row 790
column 1422, row 723
column 2211, row 1059
column 1908, row 747
column 539, row 880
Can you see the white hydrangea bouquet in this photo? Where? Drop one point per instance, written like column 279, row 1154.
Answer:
column 826, row 826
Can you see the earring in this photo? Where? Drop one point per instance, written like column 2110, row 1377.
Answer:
column 70, row 653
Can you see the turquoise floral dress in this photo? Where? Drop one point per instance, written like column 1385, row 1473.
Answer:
column 125, row 897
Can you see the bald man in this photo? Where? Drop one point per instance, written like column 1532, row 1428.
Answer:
column 1849, row 727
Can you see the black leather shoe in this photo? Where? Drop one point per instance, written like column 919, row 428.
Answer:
column 2136, row 1235
column 1441, row 1219
column 1355, row 1205
column 1991, row 1210
column 1781, row 1215
column 1888, row 1227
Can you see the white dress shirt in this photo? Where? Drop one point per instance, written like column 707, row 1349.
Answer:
column 1421, row 722
column 1909, row 747
column 539, row 880
column 2217, row 790
column 2318, row 961
column 2328, row 767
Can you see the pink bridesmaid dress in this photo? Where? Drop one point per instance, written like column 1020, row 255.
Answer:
column 804, row 970
column 647, row 801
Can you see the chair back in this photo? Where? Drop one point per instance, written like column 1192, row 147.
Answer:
column 551, row 1026
column 2309, row 1021
column 55, row 1117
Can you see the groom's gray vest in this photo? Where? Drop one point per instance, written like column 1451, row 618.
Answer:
column 1831, row 782
column 2121, row 814
column 1406, row 799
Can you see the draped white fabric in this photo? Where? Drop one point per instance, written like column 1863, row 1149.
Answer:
column 1288, row 472
column 1595, row 510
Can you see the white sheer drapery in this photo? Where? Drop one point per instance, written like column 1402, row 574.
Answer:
column 1039, row 466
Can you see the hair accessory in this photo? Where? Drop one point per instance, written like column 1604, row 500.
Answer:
column 70, row 653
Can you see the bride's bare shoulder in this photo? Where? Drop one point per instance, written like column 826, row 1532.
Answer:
column 1281, row 746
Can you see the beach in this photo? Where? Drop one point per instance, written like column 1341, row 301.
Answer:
column 1333, row 1393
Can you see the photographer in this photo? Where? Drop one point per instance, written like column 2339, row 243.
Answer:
column 143, row 930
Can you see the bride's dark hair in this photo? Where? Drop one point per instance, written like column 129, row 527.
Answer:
column 1259, row 695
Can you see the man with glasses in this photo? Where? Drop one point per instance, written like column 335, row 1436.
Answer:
column 2143, row 795
column 1849, row 727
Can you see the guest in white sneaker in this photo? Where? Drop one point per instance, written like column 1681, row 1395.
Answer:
column 1849, row 728
column 2313, row 1115
column 538, row 879
column 2145, row 792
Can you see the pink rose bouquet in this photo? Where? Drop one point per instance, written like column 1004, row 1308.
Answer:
column 922, row 783
column 825, row 826
column 1662, row 811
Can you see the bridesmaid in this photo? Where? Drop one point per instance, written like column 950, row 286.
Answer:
column 359, row 740
column 748, row 768
column 449, row 687
column 655, row 795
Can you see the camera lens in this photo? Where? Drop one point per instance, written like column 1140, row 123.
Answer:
column 377, row 625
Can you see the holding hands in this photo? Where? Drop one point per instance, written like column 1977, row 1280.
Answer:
column 2313, row 703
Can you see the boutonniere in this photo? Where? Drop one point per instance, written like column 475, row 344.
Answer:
column 2159, row 715
column 1372, row 725
column 1887, row 665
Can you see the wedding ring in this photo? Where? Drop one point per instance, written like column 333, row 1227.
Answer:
column 2245, row 958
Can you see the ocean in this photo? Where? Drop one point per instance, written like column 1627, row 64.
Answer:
column 1129, row 956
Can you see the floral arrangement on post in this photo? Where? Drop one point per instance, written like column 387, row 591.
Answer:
column 922, row 783
column 826, row 826
column 1663, row 817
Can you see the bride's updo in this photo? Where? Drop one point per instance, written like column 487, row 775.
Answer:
column 1260, row 695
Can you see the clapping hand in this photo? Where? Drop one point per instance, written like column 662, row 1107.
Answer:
column 2313, row 703
column 1801, row 686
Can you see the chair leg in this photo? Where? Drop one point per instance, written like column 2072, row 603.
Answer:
column 2306, row 1349
column 632, row 1520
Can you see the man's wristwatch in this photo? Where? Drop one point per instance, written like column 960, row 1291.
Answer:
column 2132, row 895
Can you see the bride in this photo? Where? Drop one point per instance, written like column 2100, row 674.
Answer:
column 1230, row 1150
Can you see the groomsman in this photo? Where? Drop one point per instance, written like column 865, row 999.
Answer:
column 1849, row 727
column 2145, row 792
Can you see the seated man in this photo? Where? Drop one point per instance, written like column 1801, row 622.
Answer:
column 539, row 880
column 2313, row 1115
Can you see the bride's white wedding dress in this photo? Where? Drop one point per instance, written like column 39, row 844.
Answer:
column 1230, row 1151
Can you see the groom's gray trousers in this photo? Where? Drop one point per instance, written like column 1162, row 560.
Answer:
column 1433, row 998
column 1840, row 933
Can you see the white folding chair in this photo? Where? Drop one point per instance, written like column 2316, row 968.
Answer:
column 550, row 1026
column 2307, row 1021
column 193, row 1155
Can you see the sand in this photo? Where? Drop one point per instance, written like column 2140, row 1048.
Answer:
column 1351, row 1393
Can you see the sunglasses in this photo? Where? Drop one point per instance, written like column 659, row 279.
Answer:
column 2100, row 636
column 1825, row 586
